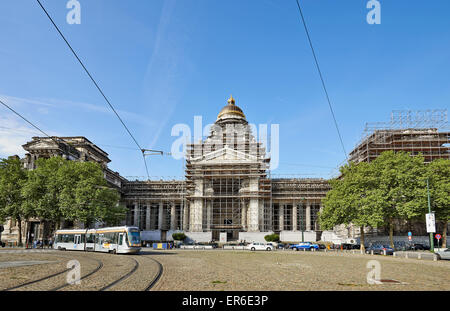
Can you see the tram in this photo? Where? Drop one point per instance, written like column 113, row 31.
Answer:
column 116, row 240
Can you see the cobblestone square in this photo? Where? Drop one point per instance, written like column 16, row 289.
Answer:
column 218, row 270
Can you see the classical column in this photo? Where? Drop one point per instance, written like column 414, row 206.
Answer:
column 136, row 214
column 153, row 218
column 185, row 209
column 253, row 216
column 147, row 216
column 161, row 216
column 196, row 208
column 244, row 215
column 208, row 215
column 173, row 218
column 253, row 208
column 294, row 217
column 261, row 216
column 196, row 216
column 308, row 216
column 281, row 217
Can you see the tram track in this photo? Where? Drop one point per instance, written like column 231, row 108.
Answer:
column 100, row 265
column 126, row 276
column 55, row 274
column 157, row 276
column 140, row 262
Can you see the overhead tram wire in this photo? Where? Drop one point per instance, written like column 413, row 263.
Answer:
column 321, row 78
column 95, row 83
column 26, row 120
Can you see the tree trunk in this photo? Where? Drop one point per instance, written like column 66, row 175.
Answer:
column 391, row 232
column 363, row 249
column 19, row 224
column 444, row 234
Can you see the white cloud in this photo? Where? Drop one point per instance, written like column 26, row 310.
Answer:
column 48, row 104
column 13, row 134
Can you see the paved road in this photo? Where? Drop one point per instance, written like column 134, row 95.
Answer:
column 222, row 270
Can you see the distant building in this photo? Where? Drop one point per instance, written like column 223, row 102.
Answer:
column 227, row 192
column 416, row 132
column 72, row 148
column 429, row 142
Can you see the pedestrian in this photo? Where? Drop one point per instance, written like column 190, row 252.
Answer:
column 50, row 242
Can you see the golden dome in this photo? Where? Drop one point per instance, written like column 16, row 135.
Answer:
column 231, row 109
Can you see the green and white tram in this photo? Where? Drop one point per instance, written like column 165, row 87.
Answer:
column 116, row 240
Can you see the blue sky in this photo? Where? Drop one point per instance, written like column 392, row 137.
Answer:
column 163, row 62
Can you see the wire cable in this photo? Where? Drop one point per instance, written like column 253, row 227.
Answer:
column 51, row 137
column 93, row 80
column 321, row 77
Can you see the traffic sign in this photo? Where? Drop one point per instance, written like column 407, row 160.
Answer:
column 438, row 236
column 431, row 224
column 409, row 233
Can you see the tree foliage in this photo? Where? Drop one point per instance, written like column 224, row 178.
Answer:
column 272, row 237
column 353, row 199
column 71, row 190
column 12, row 179
column 57, row 189
column 438, row 174
column 178, row 236
column 393, row 186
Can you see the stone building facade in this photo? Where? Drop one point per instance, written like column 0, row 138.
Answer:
column 71, row 148
column 227, row 190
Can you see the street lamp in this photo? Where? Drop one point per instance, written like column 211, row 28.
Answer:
column 429, row 211
column 301, row 220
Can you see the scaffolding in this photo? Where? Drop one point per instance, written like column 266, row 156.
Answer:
column 227, row 182
column 155, row 204
column 422, row 132
column 227, row 188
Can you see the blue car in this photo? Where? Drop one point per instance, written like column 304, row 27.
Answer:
column 304, row 245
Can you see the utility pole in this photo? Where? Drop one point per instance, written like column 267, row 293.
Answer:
column 429, row 211
column 301, row 219
column 147, row 152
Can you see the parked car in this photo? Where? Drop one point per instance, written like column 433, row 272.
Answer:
column 304, row 245
column 346, row 246
column 259, row 247
column 322, row 246
column 356, row 246
column 445, row 254
column 281, row 246
column 419, row 247
column 380, row 249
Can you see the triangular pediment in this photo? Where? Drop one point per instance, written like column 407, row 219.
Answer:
column 40, row 145
column 225, row 155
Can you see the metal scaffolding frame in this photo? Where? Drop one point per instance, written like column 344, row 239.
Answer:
column 418, row 132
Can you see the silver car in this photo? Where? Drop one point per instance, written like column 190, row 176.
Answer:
column 445, row 254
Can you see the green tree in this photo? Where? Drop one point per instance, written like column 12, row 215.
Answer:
column 272, row 237
column 85, row 195
column 179, row 236
column 12, row 178
column 401, row 187
column 438, row 173
column 77, row 191
column 42, row 190
column 352, row 199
